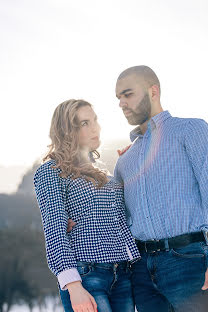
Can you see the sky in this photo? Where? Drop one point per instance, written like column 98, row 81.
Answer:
column 53, row 50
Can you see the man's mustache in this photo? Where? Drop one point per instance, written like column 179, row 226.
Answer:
column 126, row 110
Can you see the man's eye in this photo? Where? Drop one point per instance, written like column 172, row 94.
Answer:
column 128, row 95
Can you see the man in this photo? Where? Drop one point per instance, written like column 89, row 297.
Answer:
column 165, row 177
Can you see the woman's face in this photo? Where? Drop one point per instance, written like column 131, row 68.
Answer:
column 89, row 132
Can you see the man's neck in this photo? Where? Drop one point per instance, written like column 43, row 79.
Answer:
column 143, row 127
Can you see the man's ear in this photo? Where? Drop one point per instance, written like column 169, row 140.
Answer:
column 154, row 92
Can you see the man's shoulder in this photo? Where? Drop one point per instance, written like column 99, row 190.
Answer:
column 187, row 120
column 185, row 123
column 196, row 121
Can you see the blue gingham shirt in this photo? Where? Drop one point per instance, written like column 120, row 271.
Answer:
column 165, row 176
column 100, row 234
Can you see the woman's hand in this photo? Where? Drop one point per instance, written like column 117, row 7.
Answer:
column 71, row 224
column 81, row 300
column 205, row 286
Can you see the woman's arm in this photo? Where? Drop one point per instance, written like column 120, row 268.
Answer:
column 51, row 192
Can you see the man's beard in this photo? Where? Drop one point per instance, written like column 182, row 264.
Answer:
column 142, row 112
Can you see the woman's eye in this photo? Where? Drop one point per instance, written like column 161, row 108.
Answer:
column 85, row 123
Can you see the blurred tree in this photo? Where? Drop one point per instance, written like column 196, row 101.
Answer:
column 24, row 275
column 13, row 285
column 26, row 185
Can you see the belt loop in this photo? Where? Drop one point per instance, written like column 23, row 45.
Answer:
column 166, row 245
column 129, row 264
column 92, row 265
column 115, row 266
column 205, row 233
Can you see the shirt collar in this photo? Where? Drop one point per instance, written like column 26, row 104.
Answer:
column 160, row 118
column 135, row 133
column 155, row 121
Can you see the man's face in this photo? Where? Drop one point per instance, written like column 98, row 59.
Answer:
column 134, row 100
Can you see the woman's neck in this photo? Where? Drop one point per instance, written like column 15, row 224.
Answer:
column 84, row 156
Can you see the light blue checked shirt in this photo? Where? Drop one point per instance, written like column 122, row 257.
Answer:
column 165, row 176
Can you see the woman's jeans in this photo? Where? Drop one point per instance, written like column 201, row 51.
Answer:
column 108, row 283
column 175, row 276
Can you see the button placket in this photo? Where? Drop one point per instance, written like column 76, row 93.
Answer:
column 143, row 152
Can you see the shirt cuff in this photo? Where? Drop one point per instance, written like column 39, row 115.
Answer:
column 129, row 252
column 68, row 276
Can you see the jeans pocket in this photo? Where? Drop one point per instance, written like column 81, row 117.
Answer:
column 84, row 269
column 191, row 251
column 178, row 253
column 205, row 249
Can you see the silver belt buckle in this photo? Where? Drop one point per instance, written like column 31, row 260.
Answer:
column 205, row 233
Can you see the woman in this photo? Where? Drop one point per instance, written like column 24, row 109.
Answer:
column 90, row 262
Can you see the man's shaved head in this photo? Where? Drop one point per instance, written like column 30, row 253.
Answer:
column 144, row 74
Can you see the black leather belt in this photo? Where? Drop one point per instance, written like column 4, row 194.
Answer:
column 169, row 243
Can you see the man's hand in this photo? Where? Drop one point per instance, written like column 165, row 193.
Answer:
column 71, row 223
column 205, row 286
column 81, row 299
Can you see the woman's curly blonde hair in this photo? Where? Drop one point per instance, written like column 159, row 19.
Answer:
column 64, row 147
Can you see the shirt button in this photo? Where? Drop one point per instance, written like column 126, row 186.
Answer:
column 113, row 205
column 116, row 219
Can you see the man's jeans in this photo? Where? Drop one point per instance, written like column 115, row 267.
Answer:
column 109, row 284
column 175, row 276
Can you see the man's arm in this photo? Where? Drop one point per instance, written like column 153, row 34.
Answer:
column 197, row 149
column 196, row 143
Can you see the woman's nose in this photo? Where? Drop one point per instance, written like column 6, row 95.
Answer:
column 96, row 128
